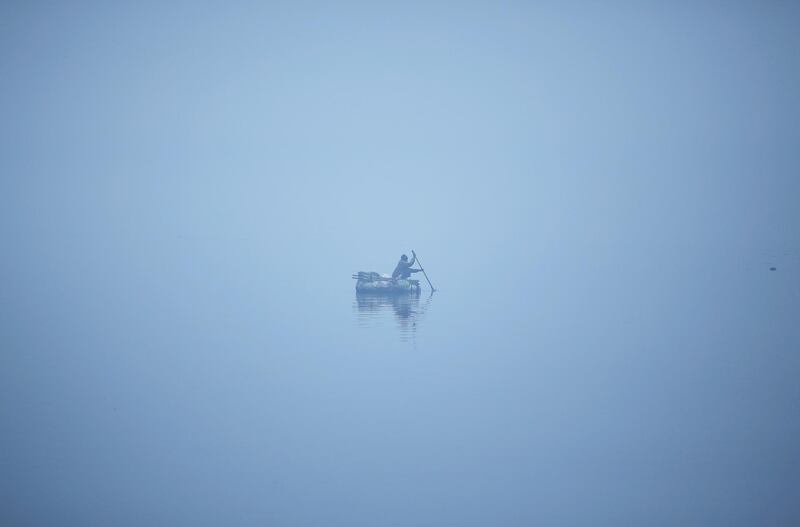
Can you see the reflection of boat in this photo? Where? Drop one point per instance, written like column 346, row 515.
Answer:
column 375, row 283
column 372, row 307
column 403, row 306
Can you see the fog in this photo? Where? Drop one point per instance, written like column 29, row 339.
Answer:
column 598, row 194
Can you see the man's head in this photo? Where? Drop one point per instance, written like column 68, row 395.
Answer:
column 404, row 258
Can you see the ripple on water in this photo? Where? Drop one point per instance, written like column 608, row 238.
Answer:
column 406, row 310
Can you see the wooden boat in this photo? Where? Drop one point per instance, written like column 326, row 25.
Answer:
column 371, row 282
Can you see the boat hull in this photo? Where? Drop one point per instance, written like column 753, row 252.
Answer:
column 388, row 287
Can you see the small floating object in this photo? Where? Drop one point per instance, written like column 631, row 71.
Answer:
column 773, row 269
column 382, row 284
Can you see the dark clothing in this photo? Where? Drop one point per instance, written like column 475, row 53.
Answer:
column 403, row 269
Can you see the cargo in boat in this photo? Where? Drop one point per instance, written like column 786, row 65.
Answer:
column 372, row 282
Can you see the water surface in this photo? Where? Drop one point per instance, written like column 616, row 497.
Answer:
column 597, row 191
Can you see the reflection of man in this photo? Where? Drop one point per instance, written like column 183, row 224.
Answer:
column 403, row 269
column 402, row 308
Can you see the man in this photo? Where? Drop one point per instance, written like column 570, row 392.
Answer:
column 403, row 269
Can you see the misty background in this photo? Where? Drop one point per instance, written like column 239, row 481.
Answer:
column 598, row 193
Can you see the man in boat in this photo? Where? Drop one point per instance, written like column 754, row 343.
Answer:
column 403, row 269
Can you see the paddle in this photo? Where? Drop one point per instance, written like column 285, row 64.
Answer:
column 423, row 271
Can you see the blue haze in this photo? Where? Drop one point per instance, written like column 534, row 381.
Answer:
column 598, row 191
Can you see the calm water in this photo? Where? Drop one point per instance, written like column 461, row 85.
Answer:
column 578, row 398
column 597, row 190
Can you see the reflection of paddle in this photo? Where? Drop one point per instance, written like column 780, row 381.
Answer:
column 423, row 271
